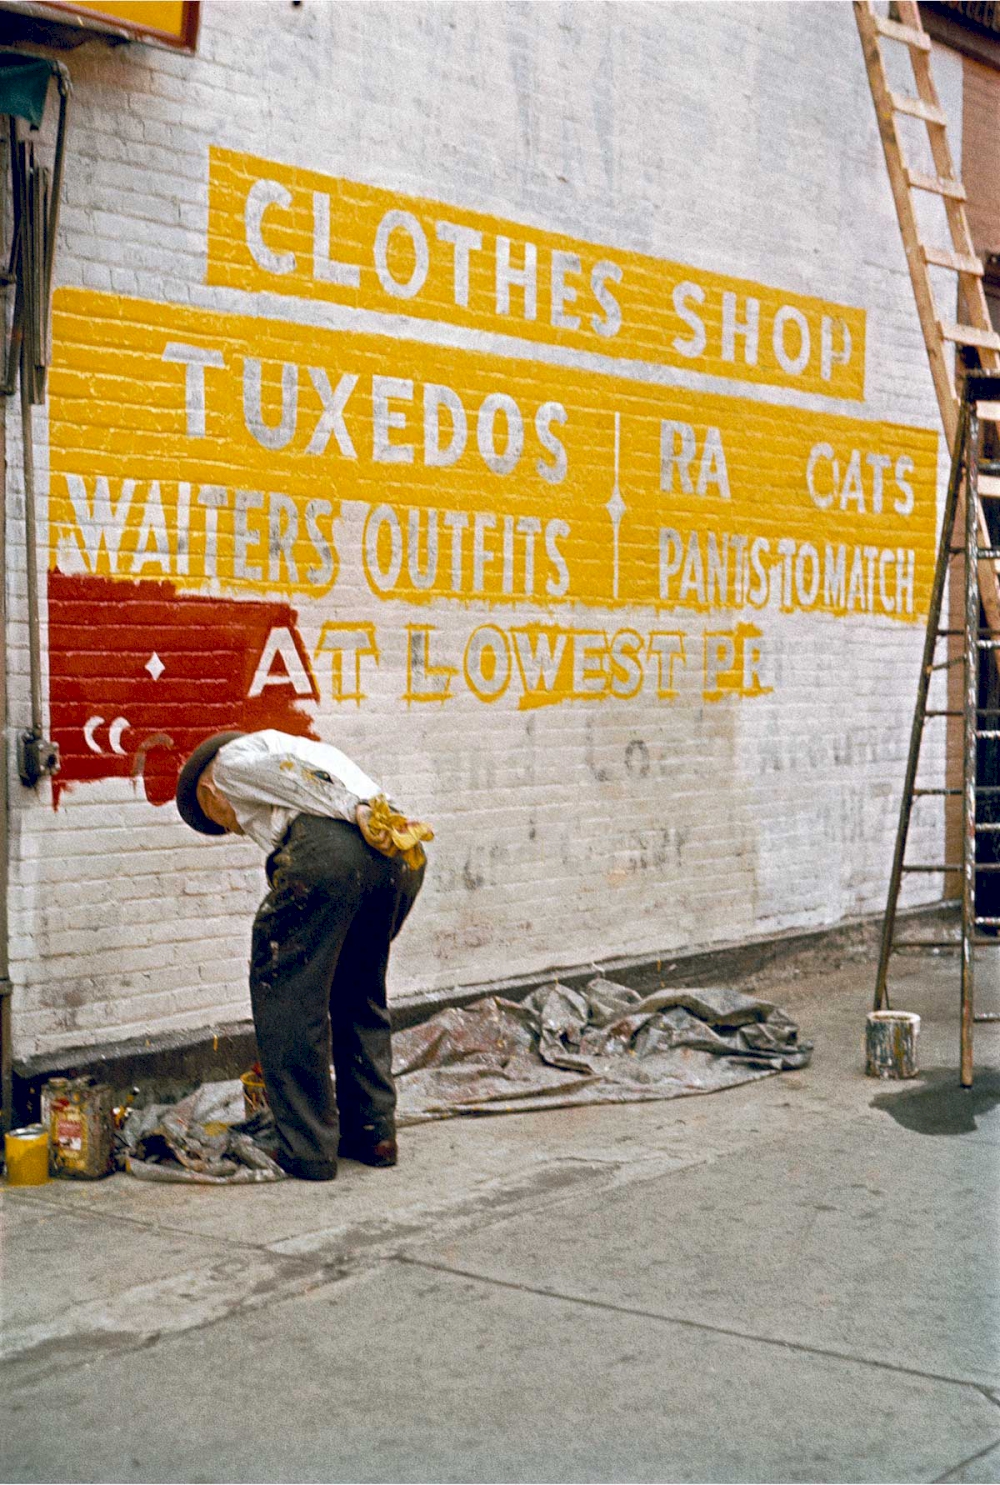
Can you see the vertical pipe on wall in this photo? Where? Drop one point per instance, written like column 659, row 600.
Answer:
column 31, row 547
column 6, row 1046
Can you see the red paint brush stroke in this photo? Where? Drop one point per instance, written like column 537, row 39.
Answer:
column 102, row 634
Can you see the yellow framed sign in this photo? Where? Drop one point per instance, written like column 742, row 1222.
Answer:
column 172, row 23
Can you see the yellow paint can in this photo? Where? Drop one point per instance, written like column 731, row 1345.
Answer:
column 27, row 1154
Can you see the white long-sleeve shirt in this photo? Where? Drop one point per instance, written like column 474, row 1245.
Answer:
column 270, row 777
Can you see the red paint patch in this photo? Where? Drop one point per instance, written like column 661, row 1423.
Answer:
column 117, row 714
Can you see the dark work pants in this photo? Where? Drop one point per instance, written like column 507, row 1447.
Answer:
column 317, row 983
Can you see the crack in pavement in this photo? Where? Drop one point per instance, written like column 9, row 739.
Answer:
column 964, row 1463
column 54, row 1209
column 700, row 1325
column 241, row 1276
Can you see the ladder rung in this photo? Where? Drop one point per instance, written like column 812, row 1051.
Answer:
column 987, row 340
column 953, row 866
column 908, row 35
column 936, row 184
column 987, row 922
column 981, row 711
column 988, row 644
column 988, row 827
column 917, row 946
column 918, row 109
column 958, row 633
column 957, row 262
column 979, row 941
column 947, row 664
column 937, row 792
column 943, row 866
column 987, row 1016
column 989, row 732
column 988, row 554
column 989, row 466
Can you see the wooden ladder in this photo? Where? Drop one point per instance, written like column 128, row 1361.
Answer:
column 938, row 329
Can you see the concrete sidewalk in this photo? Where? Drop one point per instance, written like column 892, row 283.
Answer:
column 794, row 1280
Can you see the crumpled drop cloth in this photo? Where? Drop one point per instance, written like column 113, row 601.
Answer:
column 602, row 1044
column 204, row 1138
column 559, row 1047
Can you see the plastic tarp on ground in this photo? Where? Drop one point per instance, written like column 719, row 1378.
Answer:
column 204, row 1138
column 602, row 1044
column 559, row 1047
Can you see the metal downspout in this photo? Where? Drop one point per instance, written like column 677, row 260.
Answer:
column 6, row 1046
column 35, row 755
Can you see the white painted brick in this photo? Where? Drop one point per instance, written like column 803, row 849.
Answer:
column 739, row 139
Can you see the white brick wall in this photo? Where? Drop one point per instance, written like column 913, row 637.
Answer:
column 739, row 138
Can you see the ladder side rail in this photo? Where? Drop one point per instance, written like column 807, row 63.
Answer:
column 977, row 314
column 948, row 523
column 969, row 759
column 941, row 374
column 944, row 385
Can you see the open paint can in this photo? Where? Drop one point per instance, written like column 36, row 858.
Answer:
column 27, row 1154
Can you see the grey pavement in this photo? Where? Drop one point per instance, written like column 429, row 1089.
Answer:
column 795, row 1280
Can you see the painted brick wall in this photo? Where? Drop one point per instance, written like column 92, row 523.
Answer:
column 736, row 139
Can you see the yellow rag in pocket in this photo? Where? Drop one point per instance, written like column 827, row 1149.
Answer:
column 394, row 835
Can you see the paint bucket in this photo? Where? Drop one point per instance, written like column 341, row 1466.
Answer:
column 27, row 1155
column 80, row 1127
column 891, row 1044
column 254, row 1092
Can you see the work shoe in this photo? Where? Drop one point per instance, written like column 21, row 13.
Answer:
column 307, row 1170
column 382, row 1152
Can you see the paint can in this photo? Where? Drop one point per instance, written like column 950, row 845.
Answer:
column 81, row 1129
column 891, row 1044
column 254, row 1092
column 52, row 1090
column 27, row 1154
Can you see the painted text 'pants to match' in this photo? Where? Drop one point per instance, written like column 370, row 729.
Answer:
column 317, row 984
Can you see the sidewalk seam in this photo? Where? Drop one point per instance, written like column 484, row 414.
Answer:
column 742, row 1335
column 55, row 1208
column 964, row 1463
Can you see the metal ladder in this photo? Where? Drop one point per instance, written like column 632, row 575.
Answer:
column 960, row 516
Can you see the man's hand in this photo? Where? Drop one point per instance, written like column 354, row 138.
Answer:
column 392, row 834
column 363, row 815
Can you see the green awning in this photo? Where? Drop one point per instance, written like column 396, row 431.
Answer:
column 24, row 82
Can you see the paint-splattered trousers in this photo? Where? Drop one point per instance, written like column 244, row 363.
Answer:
column 320, row 951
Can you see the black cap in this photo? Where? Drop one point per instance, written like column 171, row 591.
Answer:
column 191, row 811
